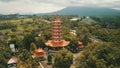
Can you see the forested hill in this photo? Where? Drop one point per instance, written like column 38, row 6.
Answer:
column 85, row 11
column 108, row 21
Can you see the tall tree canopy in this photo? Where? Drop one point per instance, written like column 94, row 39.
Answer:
column 63, row 59
column 99, row 55
column 28, row 39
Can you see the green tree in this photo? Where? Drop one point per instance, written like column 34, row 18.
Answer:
column 71, row 37
column 28, row 39
column 32, row 47
column 5, row 55
column 99, row 55
column 73, row 46
column 49, row 59
column 63, row 59
column 86, row 40
column 16, row 42
column 25, row 60
column 40, row 41
column 82, row 31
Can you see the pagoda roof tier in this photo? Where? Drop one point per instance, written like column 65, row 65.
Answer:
column 57, row 21
column 61, row 43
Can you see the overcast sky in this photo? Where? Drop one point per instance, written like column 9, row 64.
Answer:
column 43, row 6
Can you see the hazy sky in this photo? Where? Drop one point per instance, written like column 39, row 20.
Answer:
column 43, row 6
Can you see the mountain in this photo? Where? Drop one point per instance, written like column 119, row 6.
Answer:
column 1, row 14
column 85, row 11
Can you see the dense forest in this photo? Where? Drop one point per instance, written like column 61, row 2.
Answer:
column 101, row 40
column 108, row 21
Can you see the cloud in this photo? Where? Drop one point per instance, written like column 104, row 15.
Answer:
column 7, row 0
column 40, row 6
column 27, row 7
column 80, row 2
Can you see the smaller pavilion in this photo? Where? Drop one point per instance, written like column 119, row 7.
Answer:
column 39, row 53
column 80, row 45
column 12, row 62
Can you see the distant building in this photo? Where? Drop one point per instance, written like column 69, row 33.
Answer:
column 12, row 63
column 75, row 19
column 73, row 32
column 87, row 17
column 57, row 37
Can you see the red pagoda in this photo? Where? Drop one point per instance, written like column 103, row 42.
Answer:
column 57, row 38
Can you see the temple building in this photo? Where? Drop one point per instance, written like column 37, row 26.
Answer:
column 57, row 37
column 80, row 45
column 39, row 53
column 12, row 63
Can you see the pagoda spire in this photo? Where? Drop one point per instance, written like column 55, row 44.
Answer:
column 57, row 15
column 57, row 20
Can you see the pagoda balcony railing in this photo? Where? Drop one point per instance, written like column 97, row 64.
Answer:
column 56, row 24
column 57, row 41
column 56, row 34
column 57, row 31
column 57, row 27
column 57, row 21
column 57, row 37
